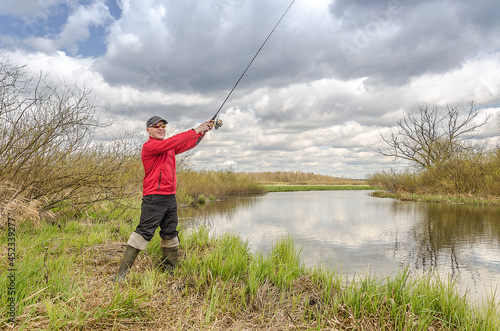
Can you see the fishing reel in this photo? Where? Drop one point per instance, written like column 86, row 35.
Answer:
column 217, row 124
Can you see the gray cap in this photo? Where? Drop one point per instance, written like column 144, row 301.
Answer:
column 155, row 119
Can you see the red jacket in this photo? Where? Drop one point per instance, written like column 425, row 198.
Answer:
column 158, row 159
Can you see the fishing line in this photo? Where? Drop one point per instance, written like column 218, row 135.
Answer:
column 217, row 124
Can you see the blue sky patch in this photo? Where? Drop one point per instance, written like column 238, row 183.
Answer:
column 95, row 45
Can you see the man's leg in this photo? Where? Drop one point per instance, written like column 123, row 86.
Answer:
column 135, row 244
column 151, row 216
column 169, row 249
column 169, row 235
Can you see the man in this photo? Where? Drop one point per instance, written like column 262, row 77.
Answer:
column 159, row 206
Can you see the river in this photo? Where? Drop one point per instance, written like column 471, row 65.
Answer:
column 357, row 234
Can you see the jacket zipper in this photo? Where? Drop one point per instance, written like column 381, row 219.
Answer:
column 159, row 182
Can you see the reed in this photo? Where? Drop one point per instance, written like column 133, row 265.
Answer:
column 205, row 186
column 64, row 273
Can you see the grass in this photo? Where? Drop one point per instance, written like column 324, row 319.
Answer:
column 293, row 188
column 64, row 272
column 300, row 178
column 445, row 198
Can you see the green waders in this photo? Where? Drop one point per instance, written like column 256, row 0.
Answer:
column 127, row 262
column 169, row 249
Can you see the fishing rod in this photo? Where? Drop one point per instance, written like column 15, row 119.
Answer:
column 218, row 123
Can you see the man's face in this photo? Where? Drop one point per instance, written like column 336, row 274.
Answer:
column 157, row 130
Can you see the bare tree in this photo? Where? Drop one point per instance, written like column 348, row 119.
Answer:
column 429, row 137
column 48, row 149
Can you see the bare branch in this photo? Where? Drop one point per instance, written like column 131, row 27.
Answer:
column 47, row 145
column 428, row 138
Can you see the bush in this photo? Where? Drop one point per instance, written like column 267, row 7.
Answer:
column 394, row 181
column 470, row 172
column 464, row 173
column 48, row 149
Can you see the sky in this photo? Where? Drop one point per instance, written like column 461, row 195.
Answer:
column 334, row 76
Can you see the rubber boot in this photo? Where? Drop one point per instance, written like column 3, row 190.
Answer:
column 127, row 262
column 169, row 260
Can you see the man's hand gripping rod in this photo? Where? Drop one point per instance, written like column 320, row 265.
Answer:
column 218, row 123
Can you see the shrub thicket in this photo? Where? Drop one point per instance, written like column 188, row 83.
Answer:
column 438, row 145
column 472, row 172
column 48, row 147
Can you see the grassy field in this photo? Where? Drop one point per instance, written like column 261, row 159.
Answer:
column 64, row 271
column 442, row 198
column 292, row 188
column 300, row 178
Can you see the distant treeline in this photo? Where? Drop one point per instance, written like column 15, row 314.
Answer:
column 300, row 178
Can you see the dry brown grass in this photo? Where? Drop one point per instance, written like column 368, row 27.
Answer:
column 22, row 211
column 474, row 173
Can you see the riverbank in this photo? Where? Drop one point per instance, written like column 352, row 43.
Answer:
column 294, row 188
column 441, row 198
column 64, row 272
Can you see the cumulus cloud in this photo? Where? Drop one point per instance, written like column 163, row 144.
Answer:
column 30, row 8
column 79, row 22
column 54, row 25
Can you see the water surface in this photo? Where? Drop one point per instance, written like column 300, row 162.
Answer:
column 358, row 234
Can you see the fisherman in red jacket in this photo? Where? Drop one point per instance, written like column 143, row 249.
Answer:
column 159, row 206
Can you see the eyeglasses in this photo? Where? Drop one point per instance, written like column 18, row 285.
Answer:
column 157, row 126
